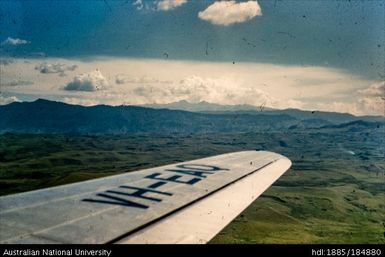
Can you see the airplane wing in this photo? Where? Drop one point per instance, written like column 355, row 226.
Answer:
column 187, row 202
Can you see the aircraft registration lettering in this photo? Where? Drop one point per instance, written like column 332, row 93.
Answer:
column 115, row 197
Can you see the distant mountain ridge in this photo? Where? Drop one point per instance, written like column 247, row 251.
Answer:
column 43, row 116
column 205, row 107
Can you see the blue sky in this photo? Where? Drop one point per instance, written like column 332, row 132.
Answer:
column 341, row 36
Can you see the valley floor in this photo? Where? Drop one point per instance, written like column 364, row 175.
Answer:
column 334, row 192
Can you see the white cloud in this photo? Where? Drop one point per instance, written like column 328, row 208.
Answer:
column 158, row 5
column 138, row 4
column 15, row 41
column 126, row 79
column 193, row 89
column 363, row 106
column 146, row 81
column 372, row 105
column 8, row 99
column 229, row 12
column 166, row 5
column 92, row 81
column 219, row 90
column 376, row 89
column 370, row 100
column 47, row 68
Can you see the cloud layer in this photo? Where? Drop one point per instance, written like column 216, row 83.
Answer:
column 148, row 81
column 92, row 81
column 229, row 12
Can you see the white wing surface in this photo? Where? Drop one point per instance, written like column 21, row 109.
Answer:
column 187, row 202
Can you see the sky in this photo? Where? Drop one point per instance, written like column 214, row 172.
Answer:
column 314, row 55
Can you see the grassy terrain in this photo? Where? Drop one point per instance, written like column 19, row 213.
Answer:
column 334, row 192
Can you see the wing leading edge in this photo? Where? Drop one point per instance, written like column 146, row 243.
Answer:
column 188, row 202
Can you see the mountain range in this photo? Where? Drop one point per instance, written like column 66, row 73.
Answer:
column 43, row 116
column 205, row 107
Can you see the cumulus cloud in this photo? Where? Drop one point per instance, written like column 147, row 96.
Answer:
column 370, row 100
column 229, row 12
column 15, row 41
column 47, row 68
column 92, row 81
column 166, row 5
column 196, row 89
column 8, row 99
column 376, row 89
column 219, row 90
